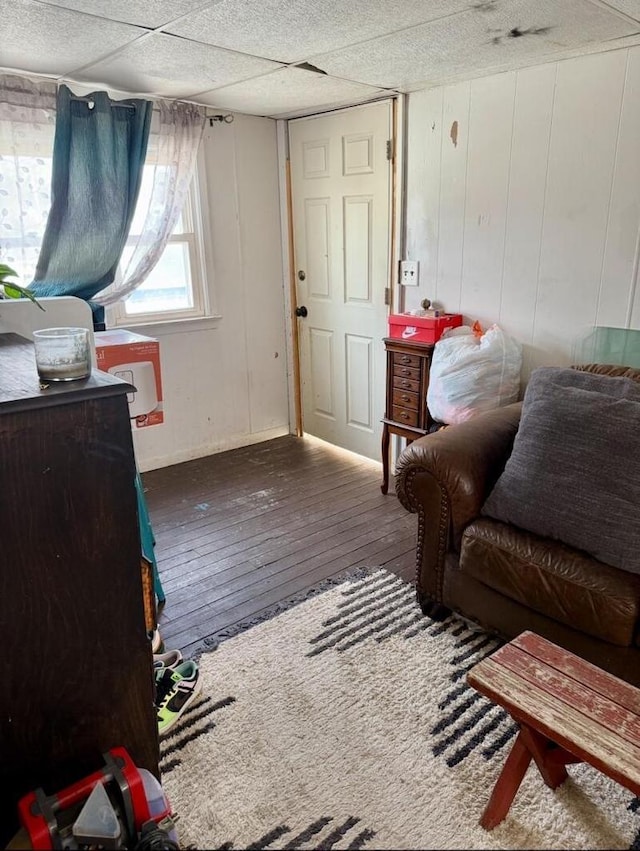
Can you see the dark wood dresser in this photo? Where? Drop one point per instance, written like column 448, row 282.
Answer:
column 77, row 674
column 406, row 412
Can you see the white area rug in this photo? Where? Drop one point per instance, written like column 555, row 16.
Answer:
column 345, row 722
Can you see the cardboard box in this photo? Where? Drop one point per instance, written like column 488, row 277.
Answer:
column 135, row 359
column 421, row 329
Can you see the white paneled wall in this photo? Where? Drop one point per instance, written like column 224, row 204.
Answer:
column 523, row 200
column 225, row 385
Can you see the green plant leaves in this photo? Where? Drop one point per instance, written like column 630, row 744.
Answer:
column 12, row 290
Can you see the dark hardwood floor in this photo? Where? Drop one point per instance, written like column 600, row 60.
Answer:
column 240, row 531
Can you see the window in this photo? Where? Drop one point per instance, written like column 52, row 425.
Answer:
column 175, row 288
column 23, row 213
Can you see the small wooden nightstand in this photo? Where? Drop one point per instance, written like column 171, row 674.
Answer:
column 406, row 415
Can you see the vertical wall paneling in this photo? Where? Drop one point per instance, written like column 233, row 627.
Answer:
column 527, row 188
column 624, row 210
column 488, row 157
column 584, row 135
column 452, row 192
column 223, row 384
column 424, row 141
column 550, row 156
column 262, row 270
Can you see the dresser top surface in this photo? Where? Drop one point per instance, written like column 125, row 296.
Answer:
column 20, row 387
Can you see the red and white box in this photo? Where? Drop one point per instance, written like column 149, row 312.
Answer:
column 421, row 329
column 135, row 359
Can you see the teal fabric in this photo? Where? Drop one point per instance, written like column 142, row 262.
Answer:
column 98, row 157
column 147, row 539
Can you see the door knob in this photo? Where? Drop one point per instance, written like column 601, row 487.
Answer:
column 302, row 311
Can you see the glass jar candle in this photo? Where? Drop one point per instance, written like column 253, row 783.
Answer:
column 62, row 354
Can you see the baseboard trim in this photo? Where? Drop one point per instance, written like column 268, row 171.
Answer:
column 233, row 442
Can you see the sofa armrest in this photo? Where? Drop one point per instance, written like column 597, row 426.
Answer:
column 445, row 478
column 464, row 460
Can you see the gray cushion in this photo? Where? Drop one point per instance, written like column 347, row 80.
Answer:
column 574, row 473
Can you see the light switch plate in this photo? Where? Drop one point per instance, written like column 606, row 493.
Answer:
column 409, row 273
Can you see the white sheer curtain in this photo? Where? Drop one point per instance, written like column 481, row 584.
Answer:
column 27, row 128
column 173, row 147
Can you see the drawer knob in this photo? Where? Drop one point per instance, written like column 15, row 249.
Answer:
column 406, row 398
column 404, row 415
column 405, row 359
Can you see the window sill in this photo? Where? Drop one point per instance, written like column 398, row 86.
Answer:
column 171, row 326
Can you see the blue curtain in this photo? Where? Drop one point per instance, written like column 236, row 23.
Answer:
column 98, row 156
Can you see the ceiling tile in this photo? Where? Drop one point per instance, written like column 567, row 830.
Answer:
column 49, row 40
column 140, row 12
column 482, row 38
column 629, row 7
column 287, row 92
column 173, row 67
column 293, row 30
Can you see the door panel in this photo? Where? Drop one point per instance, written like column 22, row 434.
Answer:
column 357, row 221
column 341, row 193
column 359, row 381
column 321, row 378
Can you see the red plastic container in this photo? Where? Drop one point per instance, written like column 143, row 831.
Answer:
column 421, row 329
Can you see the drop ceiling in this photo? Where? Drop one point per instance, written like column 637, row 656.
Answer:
column 282, row 58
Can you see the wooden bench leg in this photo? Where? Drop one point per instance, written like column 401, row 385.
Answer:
column 542, row 749
column 507, row 784
column 550, row 759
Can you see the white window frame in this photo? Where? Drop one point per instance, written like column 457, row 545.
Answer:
column 193, row 218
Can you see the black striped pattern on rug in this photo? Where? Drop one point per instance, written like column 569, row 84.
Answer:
column 321, row 832
column 381, row 605
column 377, row 607
column 196, row 721
column 469, row 720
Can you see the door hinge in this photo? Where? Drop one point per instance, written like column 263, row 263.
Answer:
column 390, row 151
column 387, row 295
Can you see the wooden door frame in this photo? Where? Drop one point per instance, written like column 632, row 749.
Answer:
column 396, row 230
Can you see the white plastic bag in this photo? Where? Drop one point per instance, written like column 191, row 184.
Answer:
column 471, row 374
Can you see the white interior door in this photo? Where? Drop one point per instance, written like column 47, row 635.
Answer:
column 341, row 192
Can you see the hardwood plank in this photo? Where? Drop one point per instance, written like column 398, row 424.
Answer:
column 276, row 547
column 283, row 514
column 251, row 502
column 255, row 575
column 194, row 627
column 239, row 532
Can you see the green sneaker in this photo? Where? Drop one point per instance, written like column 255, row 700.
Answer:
column 179, row 687
column 164, row 683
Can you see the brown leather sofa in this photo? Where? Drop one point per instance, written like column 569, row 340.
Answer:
column 498, row 576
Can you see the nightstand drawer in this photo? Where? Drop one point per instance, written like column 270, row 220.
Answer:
column 404, row 415
column 406, row 360
column 406, row 372
column 400, row 383
column 404, row 399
